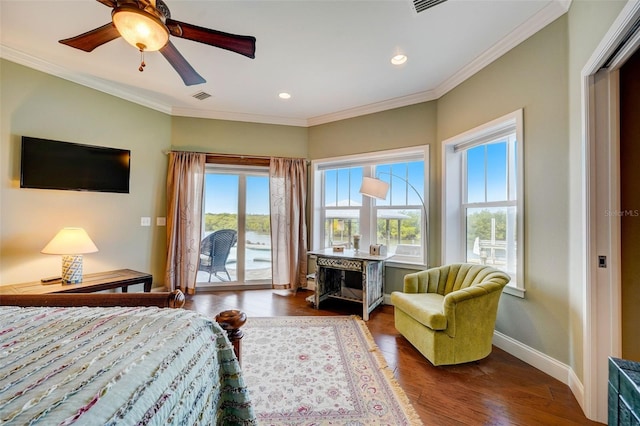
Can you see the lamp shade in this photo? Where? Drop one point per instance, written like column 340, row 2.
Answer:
column 70, row 241
column 139, row 28
column 375, row 188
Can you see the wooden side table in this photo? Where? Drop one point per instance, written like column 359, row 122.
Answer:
column 122, row 278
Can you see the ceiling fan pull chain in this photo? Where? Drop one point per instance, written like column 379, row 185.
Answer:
column 142, row 64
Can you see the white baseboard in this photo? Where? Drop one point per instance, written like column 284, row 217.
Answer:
column 542, row 362
column 577, row 388
column 535, row 358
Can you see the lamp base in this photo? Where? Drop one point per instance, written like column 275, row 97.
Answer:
column 72, row 269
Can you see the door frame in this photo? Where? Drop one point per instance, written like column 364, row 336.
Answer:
column 240, row 282
column 601, row 295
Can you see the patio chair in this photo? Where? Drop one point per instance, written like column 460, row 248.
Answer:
column 214, row 251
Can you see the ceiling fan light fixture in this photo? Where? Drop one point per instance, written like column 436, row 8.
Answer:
column 140, row 29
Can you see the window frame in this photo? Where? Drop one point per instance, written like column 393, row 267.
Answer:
column 368, row 208
column 454, row 204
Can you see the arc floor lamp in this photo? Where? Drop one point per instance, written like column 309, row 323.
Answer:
column 376, row 188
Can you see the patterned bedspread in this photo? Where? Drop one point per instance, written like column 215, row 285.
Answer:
column 124, row 366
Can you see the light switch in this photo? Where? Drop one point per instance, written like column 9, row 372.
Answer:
column 145, row 221
column 161, row 221
column 602, row 261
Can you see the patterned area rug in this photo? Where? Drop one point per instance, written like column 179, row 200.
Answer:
column 320, row 371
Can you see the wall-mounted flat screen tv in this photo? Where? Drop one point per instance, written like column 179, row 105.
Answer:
column 48, row 164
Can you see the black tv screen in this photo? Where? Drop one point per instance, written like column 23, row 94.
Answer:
column 48, row 164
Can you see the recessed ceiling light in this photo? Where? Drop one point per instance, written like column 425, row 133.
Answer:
column 284, row 95
column 399, row 59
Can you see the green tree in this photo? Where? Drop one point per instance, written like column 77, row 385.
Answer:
column 479, row 225
column 409, row 227
column 259, row 223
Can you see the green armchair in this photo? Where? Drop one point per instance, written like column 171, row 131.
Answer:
column 449, row 313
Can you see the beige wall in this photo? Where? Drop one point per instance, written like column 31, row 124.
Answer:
column 233, row 137
column 36, row 104
column 532, row 76
column 40, row 105
column 398, row 128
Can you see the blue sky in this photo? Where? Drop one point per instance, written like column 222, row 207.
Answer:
column 221, row 190
column 221, row 194
column 344, row 184
column 492, row 160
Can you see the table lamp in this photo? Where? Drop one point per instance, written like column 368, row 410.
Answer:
column 71, row 243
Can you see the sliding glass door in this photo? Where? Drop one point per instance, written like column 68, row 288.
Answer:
column 236, row 199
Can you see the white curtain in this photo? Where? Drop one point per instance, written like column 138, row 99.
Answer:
column 185, row 190
column 288, row 195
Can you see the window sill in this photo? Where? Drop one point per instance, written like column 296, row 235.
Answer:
column 514, row 291
column 403, row 265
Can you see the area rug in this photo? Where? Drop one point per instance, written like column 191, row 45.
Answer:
column 320, row 371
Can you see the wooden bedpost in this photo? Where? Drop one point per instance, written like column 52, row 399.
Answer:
column 231, row 321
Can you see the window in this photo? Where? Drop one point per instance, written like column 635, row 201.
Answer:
column 399, row 221
column 483, row 209
column 342, row 206
column 238, row 198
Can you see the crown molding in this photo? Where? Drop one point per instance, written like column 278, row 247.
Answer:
column 238, row 116
column 399, row 102
column 544, row 17
column 22, row 58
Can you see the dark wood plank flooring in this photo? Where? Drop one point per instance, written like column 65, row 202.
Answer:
column 498, row 390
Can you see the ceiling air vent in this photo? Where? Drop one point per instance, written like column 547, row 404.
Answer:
column 202, row 96
column 422, row 5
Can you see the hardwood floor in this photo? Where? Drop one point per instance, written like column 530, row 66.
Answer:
column 498, row 390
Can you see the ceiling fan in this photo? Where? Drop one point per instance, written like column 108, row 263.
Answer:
column 147, row 24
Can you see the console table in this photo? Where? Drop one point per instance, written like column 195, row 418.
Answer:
column 349, row 275
column 122, row 278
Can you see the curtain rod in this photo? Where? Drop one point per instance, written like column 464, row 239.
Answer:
column 240, row 156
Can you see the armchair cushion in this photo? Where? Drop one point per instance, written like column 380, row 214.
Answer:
column 426, row 308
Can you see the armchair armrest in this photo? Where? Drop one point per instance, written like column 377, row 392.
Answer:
column 476, row 306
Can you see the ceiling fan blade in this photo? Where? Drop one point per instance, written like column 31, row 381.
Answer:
column 94, row 38
column 180, row 64
column 110, row 3
column 244, row 45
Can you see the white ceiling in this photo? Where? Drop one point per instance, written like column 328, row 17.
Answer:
column 332, row 56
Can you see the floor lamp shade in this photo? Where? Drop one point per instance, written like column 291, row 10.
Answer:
column 71, row 243
column 375, row 188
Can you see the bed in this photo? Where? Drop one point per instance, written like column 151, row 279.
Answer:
column 121, row 364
